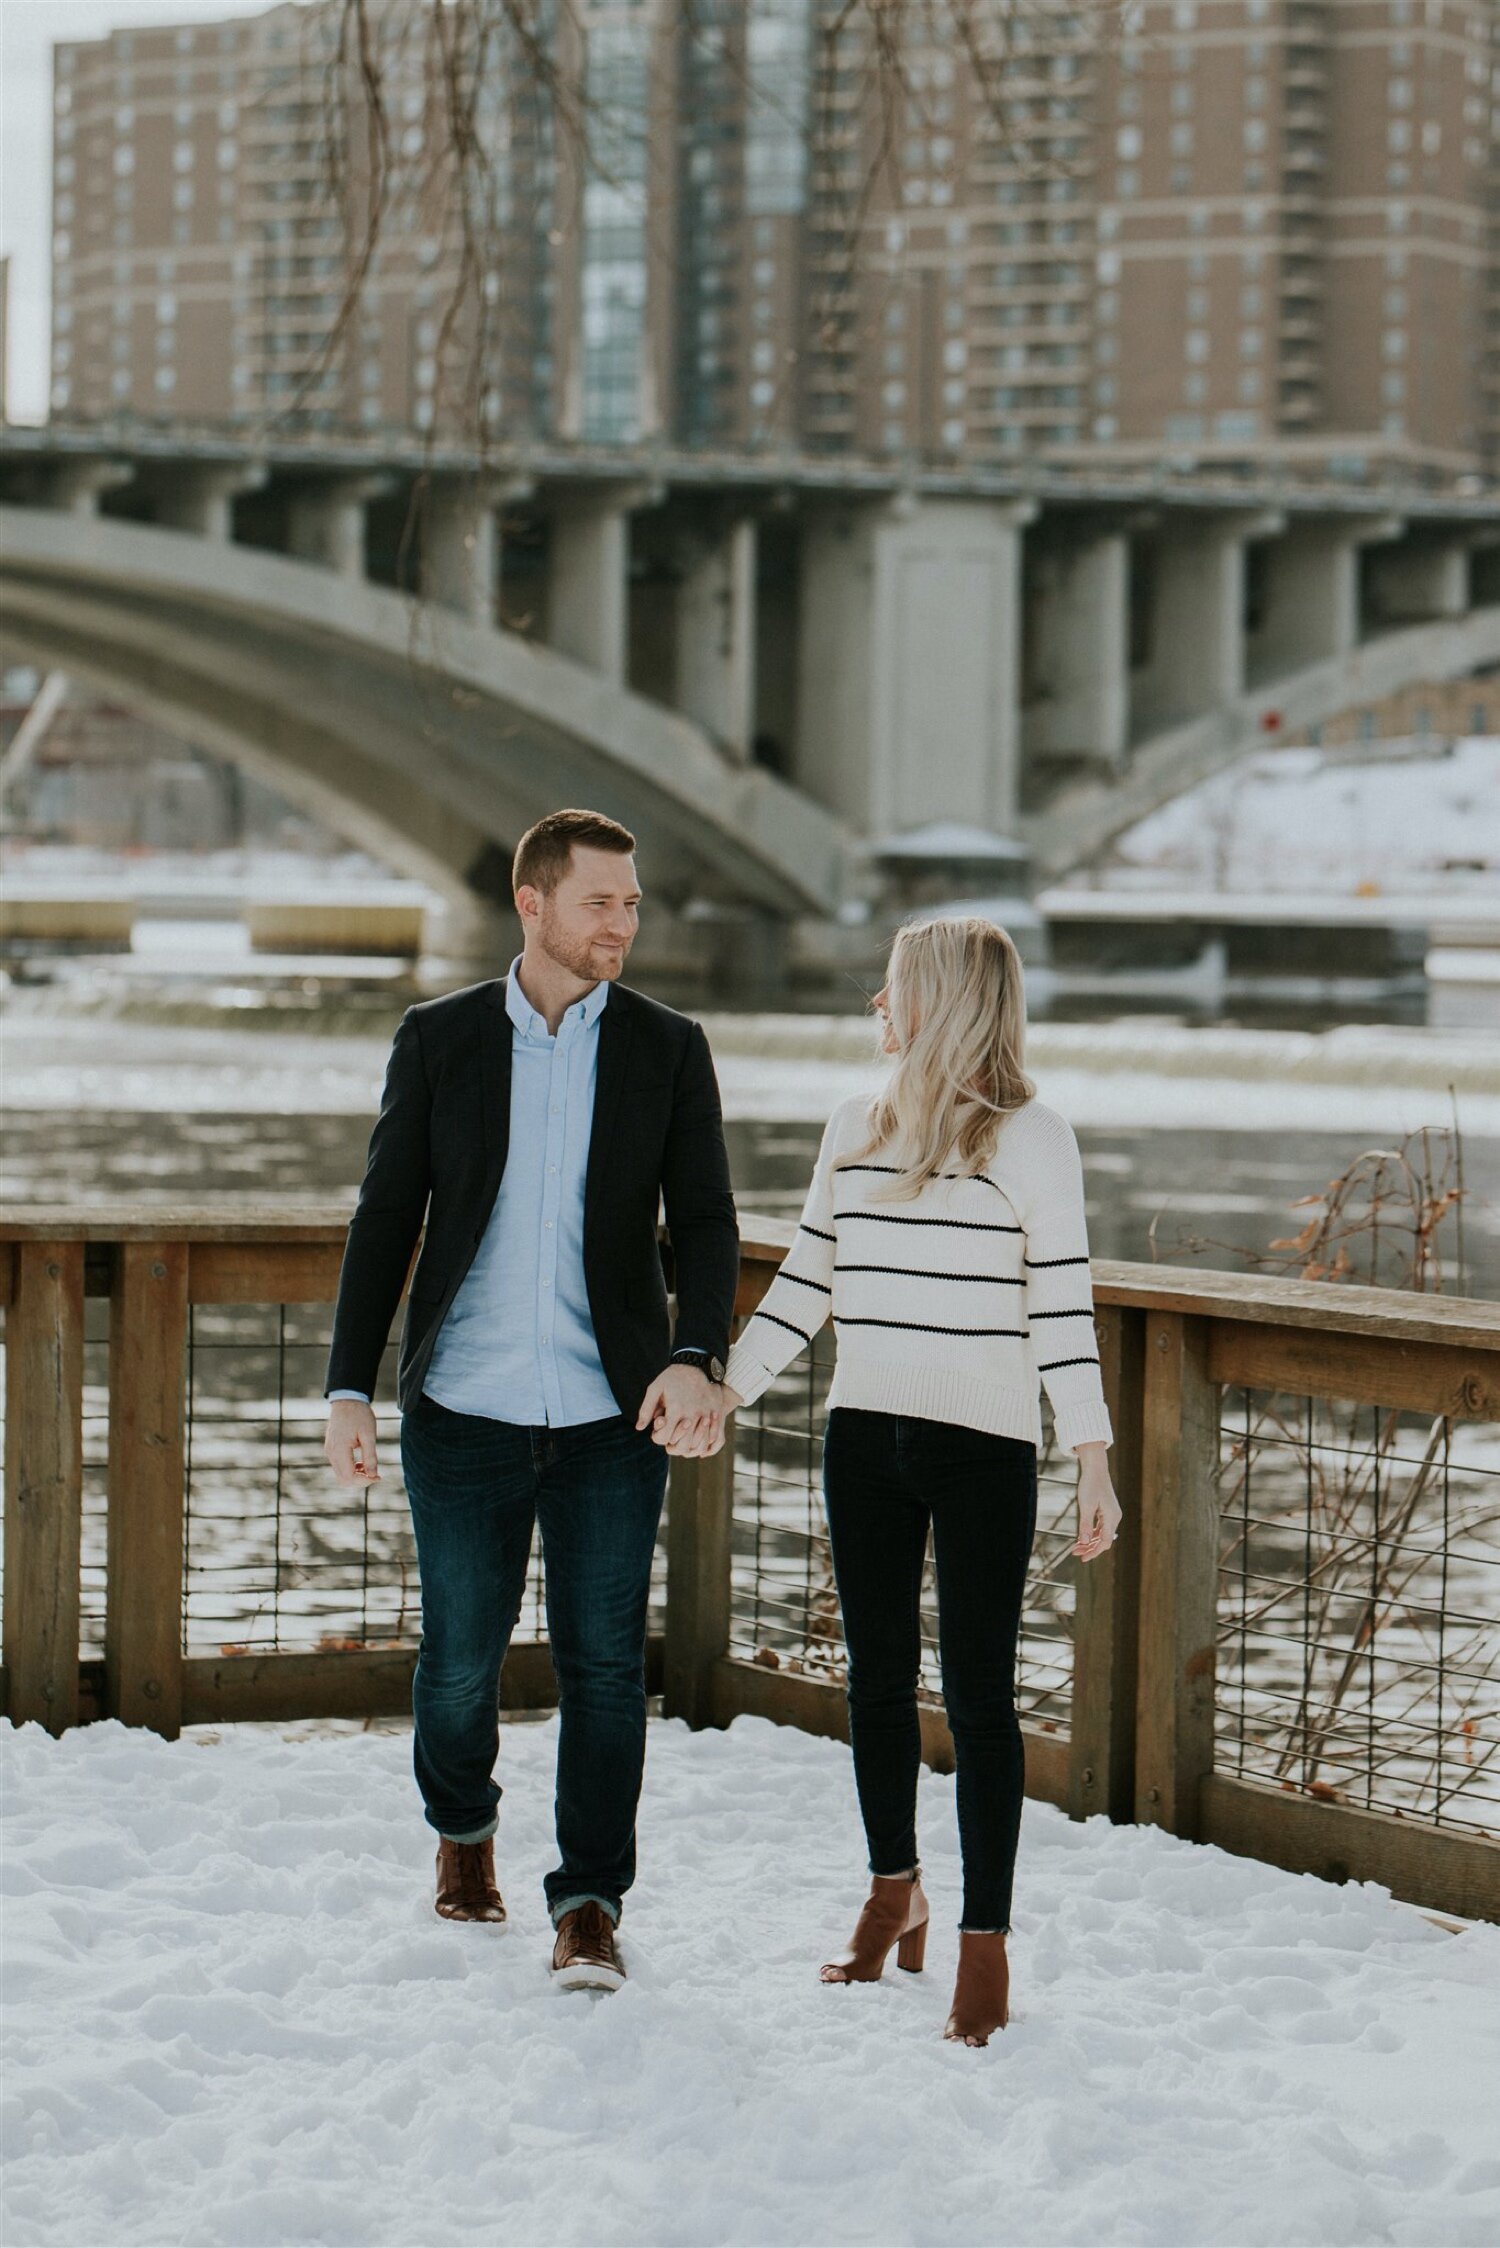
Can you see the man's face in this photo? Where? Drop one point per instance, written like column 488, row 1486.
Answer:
column 588, row 923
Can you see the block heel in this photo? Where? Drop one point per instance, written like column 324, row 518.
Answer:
column 894, row 1915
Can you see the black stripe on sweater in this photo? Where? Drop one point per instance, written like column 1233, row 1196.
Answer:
column 914, row 1272
column 925, row 1327
column 1050, row 1264
column 1052, row 1364
column 783, row 1274
column 1086, row 1311
column 960, row 1225
column 813, row 1230
column 773, row 1321
column 893, row 1170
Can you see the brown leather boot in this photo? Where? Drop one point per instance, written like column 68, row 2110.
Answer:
column 585, row 1955
column 895, row 1912
column 981, row 1995
column 466, row 1881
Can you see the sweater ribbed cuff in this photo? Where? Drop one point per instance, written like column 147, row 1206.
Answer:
column 745, row 1374
column 1083, row 1424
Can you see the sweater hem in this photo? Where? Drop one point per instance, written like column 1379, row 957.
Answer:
column 935, row 1394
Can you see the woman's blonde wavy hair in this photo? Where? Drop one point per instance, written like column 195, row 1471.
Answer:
column 958, row 1013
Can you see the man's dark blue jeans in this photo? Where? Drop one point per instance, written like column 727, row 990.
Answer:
column 477, row 1487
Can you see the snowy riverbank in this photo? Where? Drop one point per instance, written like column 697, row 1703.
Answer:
column 233, row 2018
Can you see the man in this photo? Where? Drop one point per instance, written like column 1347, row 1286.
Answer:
column 536, row 1123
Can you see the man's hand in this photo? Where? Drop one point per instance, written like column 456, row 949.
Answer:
column 684, row 1411
column 349, row 1446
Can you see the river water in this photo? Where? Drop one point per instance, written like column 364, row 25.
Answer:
column 1197, row 1143
column 1198, row 1146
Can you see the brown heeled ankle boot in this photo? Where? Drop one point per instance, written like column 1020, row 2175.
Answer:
column 981, row 1994
column 895, row 1912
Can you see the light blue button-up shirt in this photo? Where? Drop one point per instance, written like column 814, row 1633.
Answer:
column 518, row 1342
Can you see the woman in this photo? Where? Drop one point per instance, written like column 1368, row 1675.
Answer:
column 944, row 1231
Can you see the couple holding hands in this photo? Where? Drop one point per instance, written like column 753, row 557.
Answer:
column 536, row 1126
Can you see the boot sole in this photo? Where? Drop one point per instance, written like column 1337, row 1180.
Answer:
column 587, row 1978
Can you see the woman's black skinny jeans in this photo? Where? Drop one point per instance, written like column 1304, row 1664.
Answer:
column 885, row 1479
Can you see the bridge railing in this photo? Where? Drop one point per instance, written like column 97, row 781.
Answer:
column 1290, row 1652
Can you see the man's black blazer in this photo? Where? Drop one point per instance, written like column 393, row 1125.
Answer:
column 438, row 1151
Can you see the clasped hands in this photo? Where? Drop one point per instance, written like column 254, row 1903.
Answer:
column 686, row 1412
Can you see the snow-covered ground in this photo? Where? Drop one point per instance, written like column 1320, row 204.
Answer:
column 1385, row 817
column 233, row 2018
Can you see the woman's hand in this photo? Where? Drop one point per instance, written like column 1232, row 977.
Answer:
column 709, row 1437
column 1098, row 1508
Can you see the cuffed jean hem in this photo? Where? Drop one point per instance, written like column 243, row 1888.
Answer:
column 480, row 1834
column 586, row 1897
column 965, row 1930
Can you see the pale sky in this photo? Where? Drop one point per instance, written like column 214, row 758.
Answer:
column 28, row 31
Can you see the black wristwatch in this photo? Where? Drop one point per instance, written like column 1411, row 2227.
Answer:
column 704, row 1360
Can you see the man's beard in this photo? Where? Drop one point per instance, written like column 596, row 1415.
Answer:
column 577, row 955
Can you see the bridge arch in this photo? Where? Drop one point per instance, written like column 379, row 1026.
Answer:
column 431, row 740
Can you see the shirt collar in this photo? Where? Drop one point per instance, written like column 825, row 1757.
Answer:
column 530, row 1024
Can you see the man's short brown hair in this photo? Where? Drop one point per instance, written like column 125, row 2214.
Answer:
column 545, row 852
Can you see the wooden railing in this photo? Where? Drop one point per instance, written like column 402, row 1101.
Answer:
column 1146, row 1739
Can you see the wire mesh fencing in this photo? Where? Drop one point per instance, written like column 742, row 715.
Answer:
column 1359, row 1584
column 278, row 1557
column 784, row 1611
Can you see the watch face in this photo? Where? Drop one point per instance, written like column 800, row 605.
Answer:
column 716, row 1369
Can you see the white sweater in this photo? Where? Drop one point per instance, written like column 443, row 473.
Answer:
column 950, row 1306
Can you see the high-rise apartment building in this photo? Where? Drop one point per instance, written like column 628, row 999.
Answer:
column 1258, row 231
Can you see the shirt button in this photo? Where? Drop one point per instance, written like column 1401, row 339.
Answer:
column 552, row 1170
column 549, row 1225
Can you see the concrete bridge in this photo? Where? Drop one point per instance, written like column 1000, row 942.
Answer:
column 762, row 666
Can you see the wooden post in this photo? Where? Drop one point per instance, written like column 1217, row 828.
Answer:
column 1179, row 1574
column 1101, row 1742
column 148, row 1316
column 43, row 1482
column 700, row 1521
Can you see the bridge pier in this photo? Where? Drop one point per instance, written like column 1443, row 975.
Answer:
column 459, row 542
column 200, row 498
column 716, row 634
column 326, row 521
column 1196, row 658
column 1312, row 592
column 465, row 938
column 588, row 588
column 1417, row 579
column 77, row 486
column 1076, row 664
column 908, row 703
